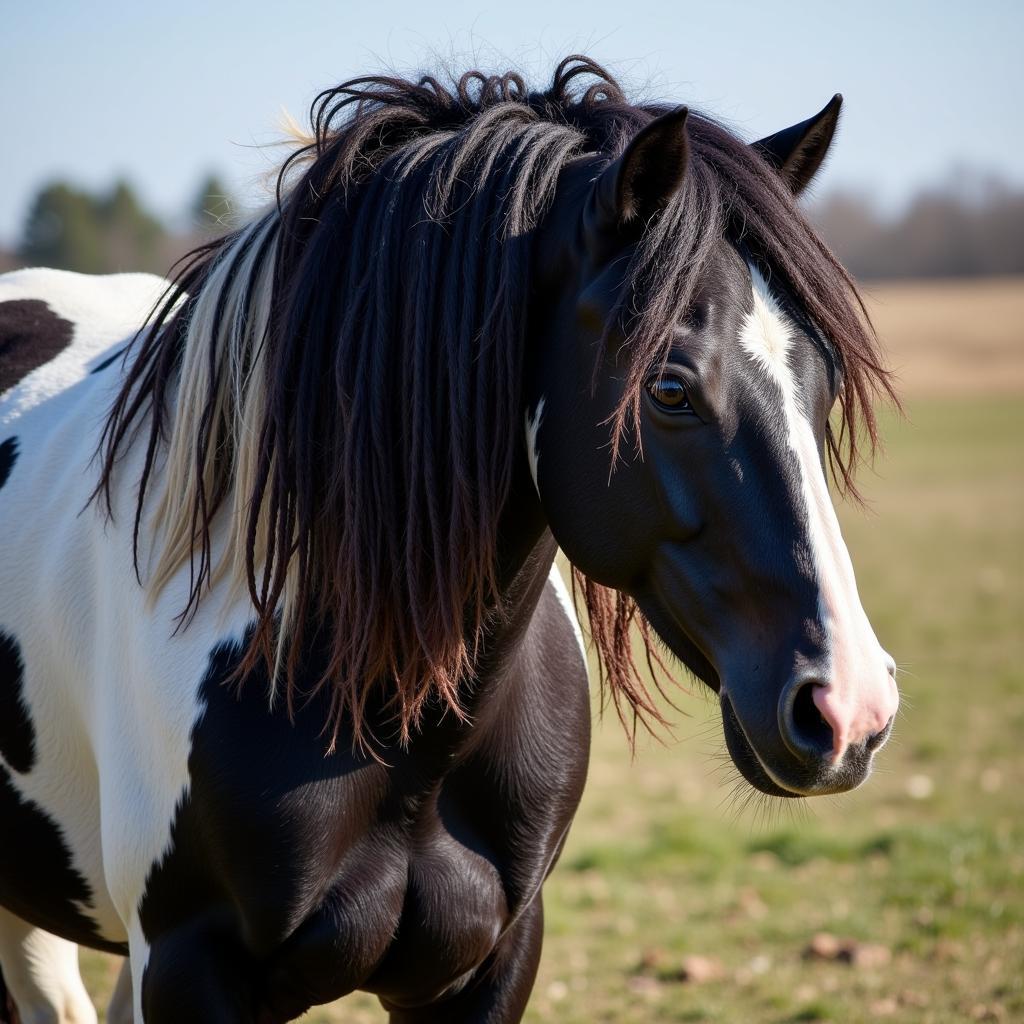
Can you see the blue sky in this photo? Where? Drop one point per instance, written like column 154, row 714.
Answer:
column 162, row 93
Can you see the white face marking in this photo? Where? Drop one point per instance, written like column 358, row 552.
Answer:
column 532, row 426
column 861, row 696
column 766, row 336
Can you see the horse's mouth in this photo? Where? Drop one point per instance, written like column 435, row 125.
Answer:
column 745, row 757
column 821, row 779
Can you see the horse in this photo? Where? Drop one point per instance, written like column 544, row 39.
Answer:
column 293, row 701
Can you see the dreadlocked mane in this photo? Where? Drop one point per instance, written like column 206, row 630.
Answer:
column 340, row 378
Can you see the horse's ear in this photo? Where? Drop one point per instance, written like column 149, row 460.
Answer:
column 799, row 151
column 633, row 188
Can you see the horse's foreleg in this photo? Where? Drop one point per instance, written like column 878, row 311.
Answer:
column 7, row 1010
column 119, row 1009
column 501, row 989
column 196, row 974
column 41, row 974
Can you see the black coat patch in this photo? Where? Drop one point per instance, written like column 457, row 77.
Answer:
column 228, row 845
column 38, row 881
column 8, row 456
column 17, row 736
column 294, row 878
column 30, row 334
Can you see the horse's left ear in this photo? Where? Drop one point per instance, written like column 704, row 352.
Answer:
column 799, row 151
column 634, row 187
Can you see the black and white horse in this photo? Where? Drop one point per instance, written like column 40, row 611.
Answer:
column 292, row 702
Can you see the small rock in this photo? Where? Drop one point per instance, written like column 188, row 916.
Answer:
column 699, row 969
column 920, row 787
column 863, row 955
column 867, row 956
column 557, row 991
column 760, row 964
column 823, row 946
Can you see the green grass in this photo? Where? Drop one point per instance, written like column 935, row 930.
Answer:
column 926, row 860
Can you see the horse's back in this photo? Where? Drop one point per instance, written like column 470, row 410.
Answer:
column 56, row 325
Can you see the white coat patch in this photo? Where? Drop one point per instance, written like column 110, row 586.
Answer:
column 565, row 600
column 112, row 693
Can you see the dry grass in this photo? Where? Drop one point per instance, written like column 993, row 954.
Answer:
column 952, row 337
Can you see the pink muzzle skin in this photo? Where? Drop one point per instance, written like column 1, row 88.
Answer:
column 856, row 714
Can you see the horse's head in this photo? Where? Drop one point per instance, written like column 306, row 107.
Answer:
column 685, row 467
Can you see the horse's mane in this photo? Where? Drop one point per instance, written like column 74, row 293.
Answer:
column 340, row 377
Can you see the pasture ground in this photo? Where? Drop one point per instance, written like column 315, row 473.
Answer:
column 678, row 899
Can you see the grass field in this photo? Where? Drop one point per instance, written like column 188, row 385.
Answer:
column 676, row 901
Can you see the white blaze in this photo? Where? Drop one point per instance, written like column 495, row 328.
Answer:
column 860, row 694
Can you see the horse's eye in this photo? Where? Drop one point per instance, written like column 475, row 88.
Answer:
column 669, row 392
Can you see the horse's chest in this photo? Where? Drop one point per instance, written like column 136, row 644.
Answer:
column 458, row 900
column 442, row 904
column 412, row 908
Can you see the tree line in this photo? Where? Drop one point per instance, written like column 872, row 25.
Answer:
column 71, row 228
column 965, row 227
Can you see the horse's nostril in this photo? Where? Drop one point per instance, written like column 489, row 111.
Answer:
column 805, row 730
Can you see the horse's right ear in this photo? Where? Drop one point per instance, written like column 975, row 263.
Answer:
column 637, row 185
column 798, row 152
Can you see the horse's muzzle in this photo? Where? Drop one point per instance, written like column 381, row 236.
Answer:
column 804, row 763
